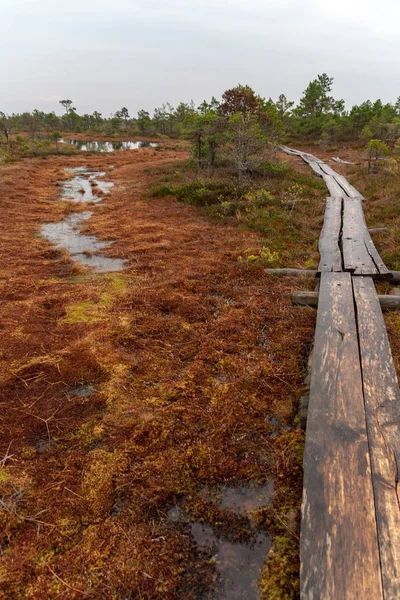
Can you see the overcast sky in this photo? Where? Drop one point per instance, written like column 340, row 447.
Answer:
column 105, row 54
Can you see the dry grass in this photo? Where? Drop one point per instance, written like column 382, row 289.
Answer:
column 189, row 354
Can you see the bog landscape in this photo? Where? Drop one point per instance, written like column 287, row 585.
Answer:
column 199, row 338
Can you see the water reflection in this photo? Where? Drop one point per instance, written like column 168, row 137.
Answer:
column 238, row 565
column 243, row 499
column 96, row 146
column 85, row 184
column 66, row 235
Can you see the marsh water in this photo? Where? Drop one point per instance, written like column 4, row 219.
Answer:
column 245, row 499
column 66, row 234
column 238, row 564
column 85, row 185
column 96, row 146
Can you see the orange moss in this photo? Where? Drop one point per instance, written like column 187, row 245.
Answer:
column 187, row 361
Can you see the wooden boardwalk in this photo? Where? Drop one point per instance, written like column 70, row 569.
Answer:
column 350, row 530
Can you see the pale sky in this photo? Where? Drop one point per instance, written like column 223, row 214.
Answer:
column 105, row 54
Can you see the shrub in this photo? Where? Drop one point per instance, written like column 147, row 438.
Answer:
column 273, row 170
column 376, row 151
column 264, row 257
column 198, row 193
column 292, row 196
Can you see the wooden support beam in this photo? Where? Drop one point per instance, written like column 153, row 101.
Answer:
column 389, row 303
column 292, row 272
column 395, row 277
column 339, row 550
column 311, row 273
column 375, row 230
column 310, row 298
column 305, row 298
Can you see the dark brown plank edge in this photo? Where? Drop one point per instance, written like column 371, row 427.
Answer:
column 382, row 405
column 328, row 244
column 338, row 546
column 359, row 253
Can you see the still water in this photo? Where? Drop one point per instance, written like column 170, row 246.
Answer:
column 96, row 146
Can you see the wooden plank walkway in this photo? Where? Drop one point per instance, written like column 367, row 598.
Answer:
column 329, row 241
column 350, row 531
column 382, row 407
column 338, row 516
column 359, row 253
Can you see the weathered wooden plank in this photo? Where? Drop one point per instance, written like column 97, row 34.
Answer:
column 328, row 244
column 292, row 272
column 304, row 155
column 289, row 150
column 382, row 405
column 346, row 187
column 376, row 230
column 333, row 186
column 338, row 547
column 305, row 298
column 359, row 253
column 336, row 183
column 316, row 168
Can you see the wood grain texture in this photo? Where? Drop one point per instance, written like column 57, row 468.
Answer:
column 359, row 253
column 382, row 405
column 328, row 245
column 338, row 547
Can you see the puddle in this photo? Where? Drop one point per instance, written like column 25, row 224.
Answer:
column 66, row 235
column 240, row 499
column 43, row 444
column 118, row 506
column 246, row 498
column 238, row 565
column 81, row 391
column 174, row 514
column 95, row 146
column 82, row 187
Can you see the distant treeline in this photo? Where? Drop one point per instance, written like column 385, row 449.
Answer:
column 317, row 116
column 241, row 129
